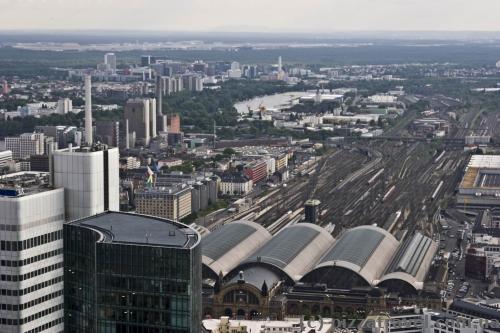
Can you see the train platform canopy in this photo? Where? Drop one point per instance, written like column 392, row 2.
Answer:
column 292, row 252
column 224, row 248
column 358, row 258
column 410, row 265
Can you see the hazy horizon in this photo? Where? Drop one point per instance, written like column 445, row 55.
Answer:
column 259, row 16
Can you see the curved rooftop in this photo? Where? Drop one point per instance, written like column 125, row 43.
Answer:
column 224, row 248
column 364, row 251
column 294, row 250
column 127, row 228
column 411, row 262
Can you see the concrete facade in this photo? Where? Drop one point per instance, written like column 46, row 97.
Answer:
column 31, row 261
column 90, row 180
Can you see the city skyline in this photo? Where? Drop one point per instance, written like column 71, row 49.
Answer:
column 277, row 16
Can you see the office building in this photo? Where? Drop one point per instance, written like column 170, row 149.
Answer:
column 281, row 161
column 192, row 82
column 39, row 163
column 63, row 135
column 203, row 187
column 142, row 118
column 31, row 254
column 256, row 170
column 108, row 132
column 200, row 67
column 146, row 60
column 89, row 176
column 25, row 145
column 129, row 162
column 250, row 72
column 311, row 211
column 235, row 184
column 5, row 88
column 172, row 84
column 131, row 273
column 64, row 105
column 174, row 123
column 173, row 202
column 110, row 61
column 235, row 71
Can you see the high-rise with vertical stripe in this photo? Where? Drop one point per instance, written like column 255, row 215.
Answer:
column 31, row 258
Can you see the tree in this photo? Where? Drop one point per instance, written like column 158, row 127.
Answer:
column 229, row 152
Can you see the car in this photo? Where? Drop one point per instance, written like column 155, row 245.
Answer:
column 466, row 283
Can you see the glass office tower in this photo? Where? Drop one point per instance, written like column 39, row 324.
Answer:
column 128, row 273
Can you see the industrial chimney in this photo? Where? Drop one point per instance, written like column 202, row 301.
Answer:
column 88, row 110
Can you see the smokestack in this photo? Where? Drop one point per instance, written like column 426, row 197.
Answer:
column 159, row 95
column 88, row 110
column 127, row 138
column 51, row 163
column 164, row 122
column 145, row 110
column 152, row 117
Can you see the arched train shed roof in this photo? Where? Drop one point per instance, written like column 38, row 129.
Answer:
column 294, row 250
column 411, row 262
column 224, row 248
column 365, row 251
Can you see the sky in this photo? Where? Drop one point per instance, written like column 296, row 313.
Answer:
column 252, row 15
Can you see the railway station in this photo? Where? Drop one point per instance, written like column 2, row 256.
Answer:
column 270, row 276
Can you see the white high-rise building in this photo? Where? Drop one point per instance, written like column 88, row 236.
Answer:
column 110, row 61
column 64, row 105
column 89, row 176
column 25, row 145
column 235, row 65
column 31, row 253
column 235, row 71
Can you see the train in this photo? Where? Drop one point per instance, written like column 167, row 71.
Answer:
column 440, row 156
column 436, row 191
column 388, row 193
column 375, row 176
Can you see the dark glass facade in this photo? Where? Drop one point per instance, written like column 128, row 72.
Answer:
column 129, row 288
